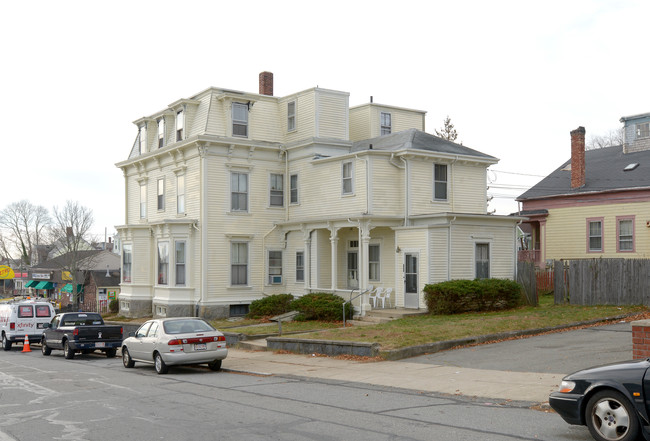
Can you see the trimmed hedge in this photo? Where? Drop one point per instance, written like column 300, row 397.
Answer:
column 458, row 296
column 271, row 305
column 321, row 306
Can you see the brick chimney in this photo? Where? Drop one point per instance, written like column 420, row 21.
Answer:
column 266, row 83
column 578, row 157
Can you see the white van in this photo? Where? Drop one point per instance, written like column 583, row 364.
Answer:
column 22, row 318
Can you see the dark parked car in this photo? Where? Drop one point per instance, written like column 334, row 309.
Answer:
column 611, row 400
column 81, row 332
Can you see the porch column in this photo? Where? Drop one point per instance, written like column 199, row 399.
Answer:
column 364, row 264
column 334, row 241
column 306, row 233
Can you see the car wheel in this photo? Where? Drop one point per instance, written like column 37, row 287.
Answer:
column 110, row 353
column 126, row 358
column 67, row 352
column 611, row 417
column 45, row 349
column 215, row 365
column 6, row 344
column 161, row 367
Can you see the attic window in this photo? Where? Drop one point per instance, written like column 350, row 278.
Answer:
column 631, row 167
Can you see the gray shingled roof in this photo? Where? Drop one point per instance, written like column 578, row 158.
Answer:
column 418, row 140
column 604, row 171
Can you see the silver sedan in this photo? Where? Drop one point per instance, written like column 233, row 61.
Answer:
column 175, row 341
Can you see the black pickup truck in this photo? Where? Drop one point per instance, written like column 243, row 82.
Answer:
column 81, row 332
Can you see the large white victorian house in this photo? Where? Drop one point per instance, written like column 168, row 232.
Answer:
column 231, row 196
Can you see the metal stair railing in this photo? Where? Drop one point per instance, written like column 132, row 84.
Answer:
column 350, row 301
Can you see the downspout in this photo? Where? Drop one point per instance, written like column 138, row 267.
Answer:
column 283, row 150
column 203, row 151
column 406, row 191
column 449, row 249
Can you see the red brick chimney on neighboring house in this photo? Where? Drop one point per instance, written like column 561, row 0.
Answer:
column 578, row 157
column 266, row 83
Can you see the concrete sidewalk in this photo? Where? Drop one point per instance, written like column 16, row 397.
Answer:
column 496, row 384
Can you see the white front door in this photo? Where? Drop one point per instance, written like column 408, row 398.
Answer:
column 411, row 293
column 353, row 269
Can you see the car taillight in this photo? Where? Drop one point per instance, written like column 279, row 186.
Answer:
column 12, row 326
column 76, row 331
column 175, row 342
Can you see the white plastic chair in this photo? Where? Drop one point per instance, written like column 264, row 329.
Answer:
column 375, row 296
column 372, row 295
column 385, row 295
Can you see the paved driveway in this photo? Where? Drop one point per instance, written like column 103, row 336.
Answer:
column 558, row 353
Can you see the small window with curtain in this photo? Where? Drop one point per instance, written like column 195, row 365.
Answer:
column 595, row 235
column 643, row 130
column 179, row 261
column 275, row 267
column 482, row 257
column 163, row 263
column 625, row 230
column 239, row 191
column 239, row 119
column 180, row 194
column 440, row 182
column 161, row 195
column 373, row 262
column 300, row 266
column 291, row 116
column 276, row 190
column 294, row 188
column 386, row 123
column 239, row 263
column 346, row 172
column 127, row 260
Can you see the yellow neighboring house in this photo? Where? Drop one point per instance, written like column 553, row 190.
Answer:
column 232, row 196
column 597, row 204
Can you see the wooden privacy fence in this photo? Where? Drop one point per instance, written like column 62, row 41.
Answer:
column 526, row 277
column 602, row 281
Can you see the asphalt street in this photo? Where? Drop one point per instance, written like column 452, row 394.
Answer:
column 555, row 353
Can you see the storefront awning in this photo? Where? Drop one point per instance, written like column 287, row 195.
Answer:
column 44, row 285
column 31, row 283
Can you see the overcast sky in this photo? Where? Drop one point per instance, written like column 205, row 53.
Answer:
column 514, row 76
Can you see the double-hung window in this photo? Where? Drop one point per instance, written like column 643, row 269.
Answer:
column 160, row 199
column 143, row 138
column 346, row 175
column 293, row 183
column 386, row 124
column 239, row 191
column 291, row 116
column 161, row 132
column 179, row 261
column 180, row 125
column 239, row 119
column 440, row 182
column 482, row 260
column 163, row 263
column 643, row 130
column 180, row 194
column 239, row 263
column 625, row 230
column 595, row 237
column 127, row 261
column 275, row 267
column 276, row 190
column 300, row 266
column 143, row 201
column 373, row 262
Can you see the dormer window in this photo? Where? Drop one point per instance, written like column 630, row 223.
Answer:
column 161, row 132
column 143, row 138
column 643, row 130
column 386, row 123
column 239, row 119
column 180, row 124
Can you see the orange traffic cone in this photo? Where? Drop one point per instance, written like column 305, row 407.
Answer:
column 26, row 347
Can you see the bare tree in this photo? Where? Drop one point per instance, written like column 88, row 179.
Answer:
column 447, row 131
column 24, row 225
column 610, row 139
column 71, row 227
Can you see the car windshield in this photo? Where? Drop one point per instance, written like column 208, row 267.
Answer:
column 186, row 326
